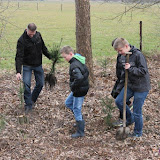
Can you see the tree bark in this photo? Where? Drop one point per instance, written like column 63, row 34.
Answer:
column 83, row 34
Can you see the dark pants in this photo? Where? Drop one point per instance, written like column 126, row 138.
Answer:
column 136, row 116
column 30, row 97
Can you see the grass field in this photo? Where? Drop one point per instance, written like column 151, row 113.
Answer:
column 54, row 25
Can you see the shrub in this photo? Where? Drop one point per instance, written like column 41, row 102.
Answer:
column 108, row 108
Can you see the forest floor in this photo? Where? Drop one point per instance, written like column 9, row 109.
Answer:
column 46, row 133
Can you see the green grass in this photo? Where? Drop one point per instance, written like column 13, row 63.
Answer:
column 54, row 25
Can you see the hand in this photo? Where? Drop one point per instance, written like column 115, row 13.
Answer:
column 114, row 94
column 127, row 66
column 18, row 76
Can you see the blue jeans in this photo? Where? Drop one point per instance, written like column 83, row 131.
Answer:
column 29, row 97
column 138, row 102
column 75, row 105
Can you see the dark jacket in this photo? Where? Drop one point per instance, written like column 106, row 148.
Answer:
column 29, row 51
column 119, row 68
column 138, row 76
column 78, row 78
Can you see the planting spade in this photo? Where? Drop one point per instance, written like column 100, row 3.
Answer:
column 122, row 132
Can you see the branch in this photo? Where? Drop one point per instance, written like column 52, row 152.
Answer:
column 132, row 8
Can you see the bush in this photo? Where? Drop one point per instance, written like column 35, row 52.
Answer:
column 108, row 108
column 50, row 78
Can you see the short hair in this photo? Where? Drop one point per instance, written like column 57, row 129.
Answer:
column 119, row 43
column 113, row 42
column 66, row 50
column 32, row 27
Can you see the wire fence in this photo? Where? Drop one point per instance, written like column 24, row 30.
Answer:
column 57, row 20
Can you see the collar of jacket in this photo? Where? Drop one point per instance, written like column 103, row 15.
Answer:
column 71, row 60
column 33, row 39
column 133, row 48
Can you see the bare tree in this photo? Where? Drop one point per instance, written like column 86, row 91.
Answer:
column 83, row 33
column 3, row 19
column 5, row 16
column 133, row 5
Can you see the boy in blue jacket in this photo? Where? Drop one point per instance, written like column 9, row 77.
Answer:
column 79, row 86
column 138, row 83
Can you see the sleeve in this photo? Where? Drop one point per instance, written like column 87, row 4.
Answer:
column 120, row 85
column 120, row 78
column 77, row 76
column 140, row 68
column 19, row 56
column 44, row 49
column 114, row 93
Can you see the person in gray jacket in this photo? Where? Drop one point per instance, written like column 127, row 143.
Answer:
column 138, row 84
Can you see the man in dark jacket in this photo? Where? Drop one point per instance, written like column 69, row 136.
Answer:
column 79, row 86
column 138, row 83
column 30, row 47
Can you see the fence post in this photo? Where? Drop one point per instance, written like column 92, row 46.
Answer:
column 37, row 6
column 61, row 7
column 140, row 35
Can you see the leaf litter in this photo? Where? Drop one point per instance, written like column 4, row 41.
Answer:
column 46, row 136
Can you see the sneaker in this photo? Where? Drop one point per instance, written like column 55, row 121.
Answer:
column 118, row 123
column 127, row 124
column 135, row 136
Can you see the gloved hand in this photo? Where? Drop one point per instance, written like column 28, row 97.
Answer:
column 114, row 93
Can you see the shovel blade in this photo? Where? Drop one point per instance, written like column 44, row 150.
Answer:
column 122, row 133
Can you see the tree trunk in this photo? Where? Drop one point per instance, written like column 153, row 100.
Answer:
column 83, row 34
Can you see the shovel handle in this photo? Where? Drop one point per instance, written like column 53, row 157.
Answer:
column 125, row 93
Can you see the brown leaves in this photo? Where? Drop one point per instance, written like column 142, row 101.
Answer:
column 47, row 135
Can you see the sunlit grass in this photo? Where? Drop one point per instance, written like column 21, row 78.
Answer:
column 54, row 25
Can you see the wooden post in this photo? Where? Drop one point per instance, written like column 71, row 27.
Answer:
column 125, row 10
column 37, row 6
column 140, row 35
column 61, row 7
column 18, row 4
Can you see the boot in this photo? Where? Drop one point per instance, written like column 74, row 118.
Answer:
column 75, row 124
column 80, row 129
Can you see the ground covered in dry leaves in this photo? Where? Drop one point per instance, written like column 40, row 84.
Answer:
column 46, row 134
